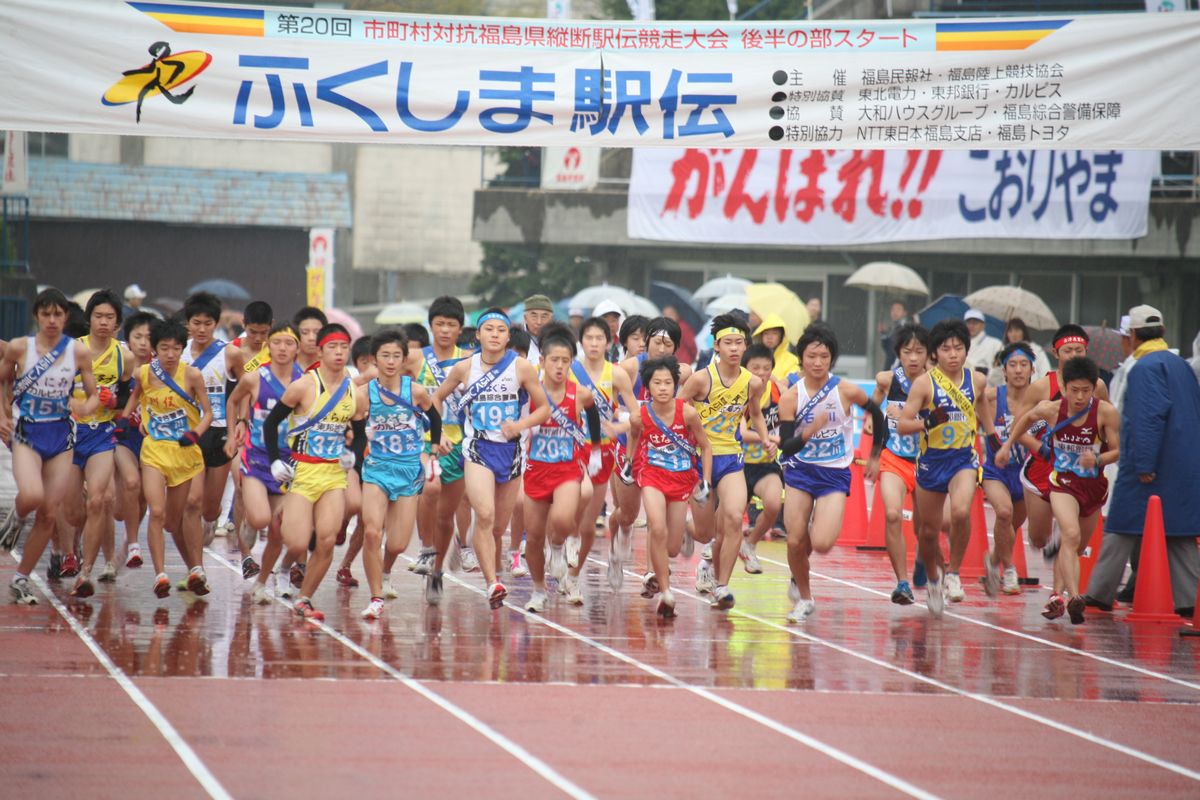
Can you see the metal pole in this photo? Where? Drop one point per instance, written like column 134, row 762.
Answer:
column 872, row 356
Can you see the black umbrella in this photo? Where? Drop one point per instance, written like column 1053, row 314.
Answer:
column 664, row 294
column 222, row 288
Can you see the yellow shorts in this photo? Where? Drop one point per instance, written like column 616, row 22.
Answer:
column 312, row 481
column 177, row 464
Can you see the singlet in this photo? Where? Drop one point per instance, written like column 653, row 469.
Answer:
column 270, row 391
column 657, row 448
column 906, row 447
column 166, row 415
column 325, row 441
column 833, row 445
column 550, row 442
column 640, row 392
column 1003, row 422
column 107, row 369
column 721, row 412
column 215, row 375
column 955, row 434
column 432, row 373
column 394, row 431
column 1039, row 428
column 755, row 452
column 48, row 400
column 604, row 387
column 1071, row 441
column 500, row 403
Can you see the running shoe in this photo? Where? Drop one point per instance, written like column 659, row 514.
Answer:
column 706, row 581
column 345, row 578
column 518, row 567
column 197, row 582
column 304, row 608
column 389, row 591
column 250, row 568
column 1055, row 608
column 1010, row 583
column 453, row 559
column 991, row 575
column 162, row 585
column 920, row 576
column 1075, row 608
column 624, row 544
column 666, row 605
column 615, row 572
column 70, row 566
column 572, row 547
column 722, row 598
column 496, row 595
column 225, row 528
column 283, row 585
column 210, row 531
column 706, row 553
column 689, row 544
column 1050, row 551
column 109, row 573
column 802, row 611
column 134, row 558
column 954, row 590
column 537, row 602
column 902, row 595
column 570, row 590
column 935, row 597
column 750, row 558
column 259, row 594
column 21, row 593
column 433, row 588
column 470, row 561
column 649, row 585
column 83, row 587
column 793, row 591
column 296, row 575
column 374, row 610
column 557, row 567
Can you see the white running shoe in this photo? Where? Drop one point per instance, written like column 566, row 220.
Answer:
column 433, row 588
column 793, row 591
column 389, row 591
column 453, row 559
column 803, row 610
column 1010, row 583
column 375, row 610
column 991, row 575
column 133, row 558
column 21, row 593
column 722, row 598
column 425, row 558
column 570, row 590
column 519, row 568
column 624, row 545
column 537, row 602
column 954, row 590
column 557, row 568
column 706, row 553
column 666, row 605
column 615, row 572
column 572, row 547
column 935, row 597
column 283, row 585
column 224, row 529
column 259, row 594
column 109, row 573
column 706, row 581
column 649, row 585
column 470, row 562
column 750, row 558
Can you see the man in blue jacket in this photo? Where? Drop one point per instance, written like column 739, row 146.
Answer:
column 1160, row 455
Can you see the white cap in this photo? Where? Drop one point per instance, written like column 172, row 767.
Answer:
column 134, row 292
column 1144, row 317
column 607, row 307
column 1124, row 327
column 975, row 314
column 575, row 312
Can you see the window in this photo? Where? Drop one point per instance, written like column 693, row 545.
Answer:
column 43, row 145
column 1098, row 300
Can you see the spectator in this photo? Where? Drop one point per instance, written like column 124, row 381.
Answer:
column 1159, row 440
column 1195, row 362
column 539, row 311
column 814, row 310
column 575, row 316
column 887, row 339
column 772, row 333
column 134, row 296
column 686, row 352
column 983, row 347
column 611, row 313
column 1016, row 331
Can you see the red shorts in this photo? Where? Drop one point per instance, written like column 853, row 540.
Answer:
column 607, row 464
column 900, row 467
column 541, row 479
column 1036, row 476
column 677, row 487
column 1090, row 493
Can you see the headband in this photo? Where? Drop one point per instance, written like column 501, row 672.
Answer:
column 285, row 332
column 656, row 332
column 334, row 336
column 1020, row 351
column 1071, row 338
column 730, row 331
column 494, row 316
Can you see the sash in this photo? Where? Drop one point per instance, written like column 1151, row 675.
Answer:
column 1069, row 421
column 675, row 438
column 40, row 367
column 265, row 373
column 956, row 396
column 566, row 423
column 485, row 381
column 402, row 403
column 821, row 394
column 901, row 380
column 637, row 377
column 170, row 383
column 210, row 352
column 585, row 380
column 439, row 375
column 323, row 412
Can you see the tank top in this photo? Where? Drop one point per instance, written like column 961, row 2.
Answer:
column 721, row 412
column 1071, row 441
column 492, row 408
column 640, row 392
column 48, row 400
column 906, row 447
column 166, row 415
column 955, row 434
column 325, row 441
column 270, row 391
column 433, row 372
column 603, row 386
column 215, row 375
column 107, row 369
column 833, row 445
column 755, row 452
column 393, row 430
column 550, row 442
column 1003, row 422
column 657, row 448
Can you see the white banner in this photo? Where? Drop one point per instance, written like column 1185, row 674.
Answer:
column 14, row 177
column 834, row 197
column 189, row 69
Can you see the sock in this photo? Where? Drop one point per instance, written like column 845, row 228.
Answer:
column 18, row 576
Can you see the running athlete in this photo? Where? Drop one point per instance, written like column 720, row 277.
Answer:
column 397, row 411
column 251, row 401
column 37, row 374
column 308, row 322
column 316, row 477
column 722, row 393
column 764, row 477
column 1002, row 486
column 953, row 402
column 667, row 438
column 816, row 463
column 555, row 471
column 95, row 439
column 626, row 496
column 175, row 413
column 495, row 383
column 362, row 371
column 1083, row 437
column 247, row 353
column 898, row 462
column 131, row 502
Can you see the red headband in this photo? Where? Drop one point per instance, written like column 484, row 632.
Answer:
column 1073, row 338
column 333, row 336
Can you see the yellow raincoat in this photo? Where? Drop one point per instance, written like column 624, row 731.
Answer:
column 785, row 361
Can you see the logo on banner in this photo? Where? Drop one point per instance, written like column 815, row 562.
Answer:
column 165, row 72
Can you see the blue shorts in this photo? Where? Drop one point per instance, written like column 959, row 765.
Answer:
column 91, row 441
column 130, row 437
column 936, row 468
column 397, row 477
column 47, row 439
column 502, row 458
column 1010, row 477
column 723, row 466
column 815, row 480
column 256, row 464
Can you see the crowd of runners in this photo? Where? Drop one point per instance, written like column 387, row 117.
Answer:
column 463, row 435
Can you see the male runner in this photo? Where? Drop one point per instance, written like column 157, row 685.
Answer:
column 131, row 502
column 764, row 477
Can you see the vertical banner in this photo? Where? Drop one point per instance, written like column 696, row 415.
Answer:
column 314, row 281
column 320, row 267
column 16, row 165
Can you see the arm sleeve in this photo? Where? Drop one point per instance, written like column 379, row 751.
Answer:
column 124, row 390
column 878, row 423
column 435, row 426
column 1148, row 400
column 791, row 442
column 358, row 440
column 271, row 429
column 593, row 424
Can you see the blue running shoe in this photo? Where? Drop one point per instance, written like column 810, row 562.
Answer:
column 902, row 595
column 919, row 576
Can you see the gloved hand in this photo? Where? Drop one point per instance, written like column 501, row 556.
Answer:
column 282, row 471
column 625, row 472
column 433, row 468
column 346, row 460
column 700, row 495
column 938, row 416
column 107, row 398
column 189, row 439
column 595, row 461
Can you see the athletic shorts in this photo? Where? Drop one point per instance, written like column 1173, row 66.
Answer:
column 541, row 478
column 1035, row 476
column 903, row 468
column 397, row 477
column 212, row 445
column 257, row 464
column 677, row 487
column 936, row 468
column 452, row 465
column 1010, row 476
column 129, row 436
column 90, row 441
column 312, row 481
column 1090, row 493
column 503, row 459
column 177, row 464
column 607, row 463
column 47, row 439
column 723, row 466
column 817, row 481
column 756, row 472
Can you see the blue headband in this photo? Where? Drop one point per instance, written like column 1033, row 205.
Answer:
column 494, row 316
column 1020, row 351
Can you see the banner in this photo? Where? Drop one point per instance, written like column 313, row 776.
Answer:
column 14, row 175
column 188, row 69
column 835, row 197
column 321, row 267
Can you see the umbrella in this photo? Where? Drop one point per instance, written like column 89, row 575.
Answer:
column 951, row 306
column 640, row 305
column 887, row 276
column 668, row 294
column 1007, row 302
column 343, row 318
column 775, row 298
column 719, row 287
column 400, row 314
column 222, row 288
column 727, row 303
column 1105, row 347
column 83, row 297
column 587, row 299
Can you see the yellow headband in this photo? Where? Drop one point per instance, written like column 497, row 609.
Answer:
column 730, row 331
column 288, row 332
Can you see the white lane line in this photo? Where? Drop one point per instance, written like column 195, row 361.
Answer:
column 182, row 749
column 1149, row 673
column 551, row 775
column 829, row 750
column 990, row 701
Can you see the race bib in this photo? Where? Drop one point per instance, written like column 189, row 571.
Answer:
column 670, row 458
column 395, row 435
column 168, row 426
column 490, row 416
column 553, row 446
column 1067, row 459
column 818, row 450
column 904, row 446
column 326, row 440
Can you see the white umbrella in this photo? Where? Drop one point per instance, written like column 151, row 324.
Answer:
column 718, row 287
column 727, row 303
column 887, row 276
column 400, row 314
column 1006, row 302
column 640, row 305
column 590, row 297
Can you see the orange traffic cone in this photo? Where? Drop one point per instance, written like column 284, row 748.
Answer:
column 1090, row 555
column 977, row 546
column 877, row 525
column 854, row 520
column 1152, row 598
